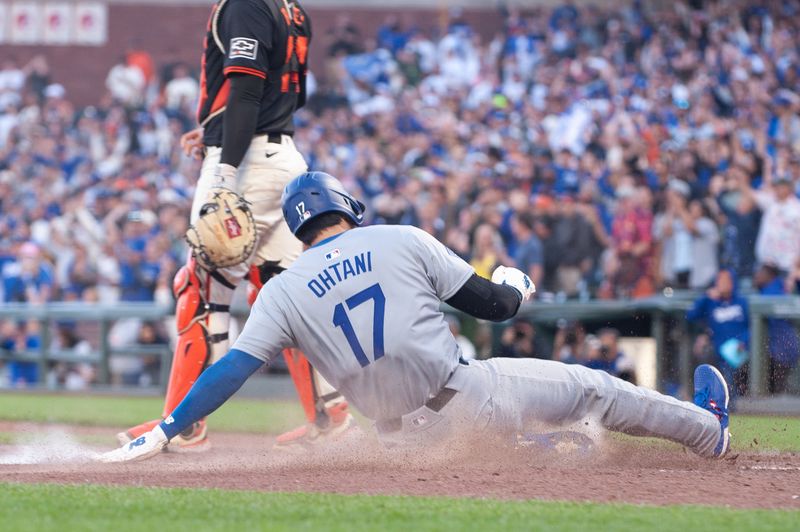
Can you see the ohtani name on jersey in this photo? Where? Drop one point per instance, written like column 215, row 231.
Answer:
column 340, row 271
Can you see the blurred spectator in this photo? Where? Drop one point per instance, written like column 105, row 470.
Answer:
column 71, row 376
column 573, row 243
column 487, row 251
column 784, row 127
column 140, row 258
column 673, row 229
column 569, row 343
column 127, row 84
column 705, row 245
column 594, row 211
column 727, row 317
column 182, row 90
column 38, row 76
column 20, row 338
column 616, row 361
column 29, row 279
column 12, row 81
column 629, row 268
column 740, row 220
column 519, row 340
column 778, row 241
column 151, row 334
column 344, row 38
column 81, row 275
column 529, row 255
column 688, row 238
column 142, row 60
column 784, row 346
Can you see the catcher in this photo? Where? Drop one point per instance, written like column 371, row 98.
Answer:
column 252, row 81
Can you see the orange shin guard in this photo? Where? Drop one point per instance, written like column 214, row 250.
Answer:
column 301, row 372
column 192, row 349
column 189, row 360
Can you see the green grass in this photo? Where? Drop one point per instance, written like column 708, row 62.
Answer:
column 239, row 415
column 750, row 433
column 753, row 433
column 86, row 508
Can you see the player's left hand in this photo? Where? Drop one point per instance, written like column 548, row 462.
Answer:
column 515, row 279
column 142, row 448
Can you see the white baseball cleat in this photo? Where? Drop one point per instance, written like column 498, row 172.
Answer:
column 145, row 446
column 192, row 440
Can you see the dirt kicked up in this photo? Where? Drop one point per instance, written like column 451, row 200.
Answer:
column 616, row 471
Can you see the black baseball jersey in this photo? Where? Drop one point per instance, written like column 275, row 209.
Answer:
column 264, row 38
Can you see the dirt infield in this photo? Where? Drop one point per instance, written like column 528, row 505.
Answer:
column 618, row 472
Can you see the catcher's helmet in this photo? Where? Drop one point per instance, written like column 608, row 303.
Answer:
column 314, row 193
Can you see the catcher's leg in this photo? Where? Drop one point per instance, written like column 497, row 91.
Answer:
column 328, row 414
column 202, row 319
column 325, row 409
column 267, row 168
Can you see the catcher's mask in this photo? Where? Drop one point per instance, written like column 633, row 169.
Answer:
column 224, row 234
column 314, row 193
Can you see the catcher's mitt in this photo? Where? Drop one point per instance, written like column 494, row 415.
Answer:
column 224, row 234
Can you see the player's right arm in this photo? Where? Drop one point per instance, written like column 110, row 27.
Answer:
column 265, row 334
column 213, row 388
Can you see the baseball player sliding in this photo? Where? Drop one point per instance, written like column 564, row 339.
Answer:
column 364, row 303
column 252, row 81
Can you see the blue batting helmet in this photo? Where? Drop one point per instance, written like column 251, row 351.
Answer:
column 313, row 193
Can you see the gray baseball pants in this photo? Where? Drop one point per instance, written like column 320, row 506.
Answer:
column 506, row 396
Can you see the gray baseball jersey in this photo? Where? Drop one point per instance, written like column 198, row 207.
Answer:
column 364, row 307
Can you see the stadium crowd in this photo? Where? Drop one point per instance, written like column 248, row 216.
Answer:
column 609, row 152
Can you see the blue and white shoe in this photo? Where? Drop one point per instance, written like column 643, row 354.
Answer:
column 711, row 393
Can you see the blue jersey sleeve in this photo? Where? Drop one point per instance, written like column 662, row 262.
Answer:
column 215, row 386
